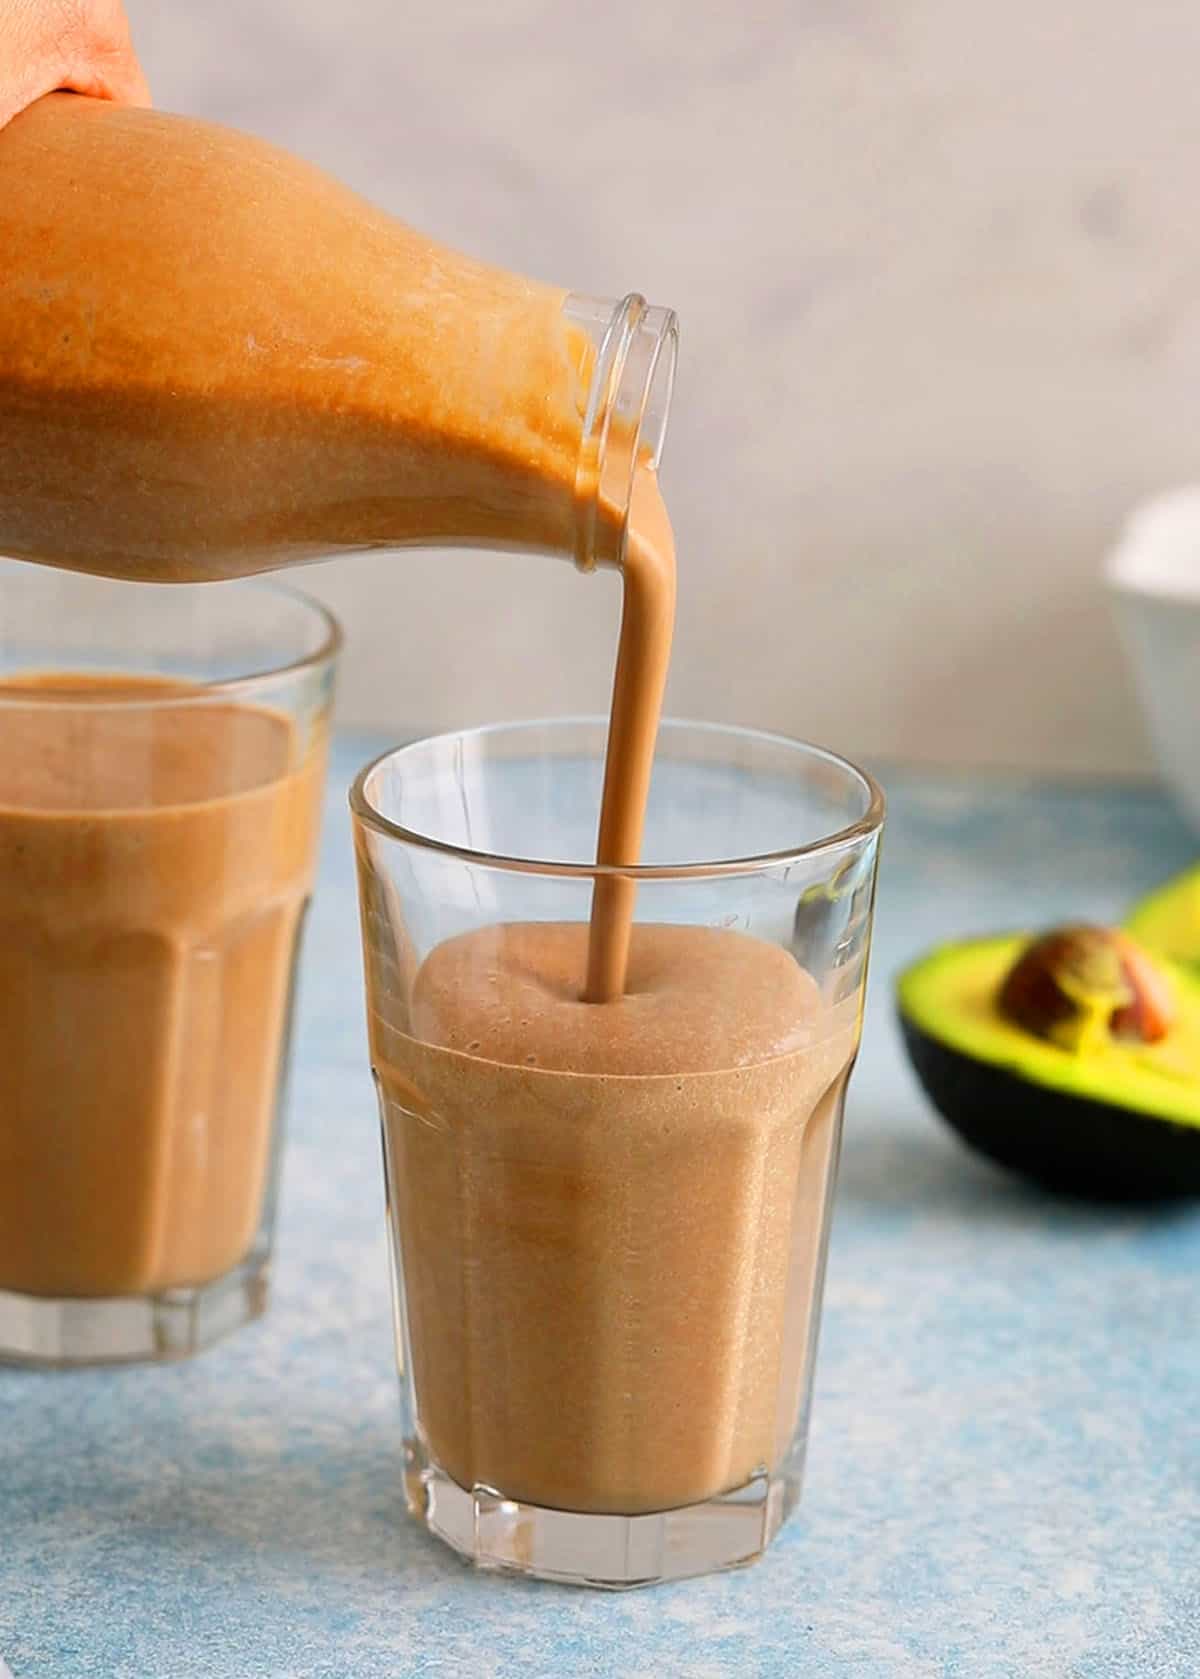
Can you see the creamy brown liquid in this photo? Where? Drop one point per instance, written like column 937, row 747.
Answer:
column 609, row 1218
column 609, row 1202
column 154, row 866
column 215, row 359
column 643, row 655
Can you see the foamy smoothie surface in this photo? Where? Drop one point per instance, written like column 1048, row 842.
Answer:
column 697, row 999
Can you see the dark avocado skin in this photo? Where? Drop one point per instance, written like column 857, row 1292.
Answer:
column 1071, row 1144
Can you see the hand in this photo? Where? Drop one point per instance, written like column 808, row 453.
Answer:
column 83, row 45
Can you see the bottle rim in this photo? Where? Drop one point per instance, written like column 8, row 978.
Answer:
column 625, row 414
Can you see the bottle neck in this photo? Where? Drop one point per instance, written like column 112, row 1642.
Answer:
column 633, row 348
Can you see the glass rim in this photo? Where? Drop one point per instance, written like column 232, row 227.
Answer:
column 842, row 839
column 205, row 691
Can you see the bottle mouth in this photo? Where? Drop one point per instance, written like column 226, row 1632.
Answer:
column 625, row 416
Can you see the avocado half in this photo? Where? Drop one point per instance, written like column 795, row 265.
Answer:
column 1117, row 1122
column 1167, row 920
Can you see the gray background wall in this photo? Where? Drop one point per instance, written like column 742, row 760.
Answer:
column 937, row 263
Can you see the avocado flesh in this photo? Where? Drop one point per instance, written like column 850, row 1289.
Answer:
column 1167, row 920
column 1121, row 1121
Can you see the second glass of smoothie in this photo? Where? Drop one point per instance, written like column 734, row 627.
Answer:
column 609, row 1220
column 161, row 774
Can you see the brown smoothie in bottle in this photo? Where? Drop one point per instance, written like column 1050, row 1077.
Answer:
column 215, row 359
column 154, row 866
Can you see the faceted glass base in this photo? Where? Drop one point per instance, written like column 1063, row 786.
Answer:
column 614, row 1553
column 152, row 1327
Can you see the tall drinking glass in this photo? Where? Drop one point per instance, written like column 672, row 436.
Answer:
column 162, row 753
column 608, row 1221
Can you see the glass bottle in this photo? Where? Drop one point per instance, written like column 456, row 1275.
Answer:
column 216, row 360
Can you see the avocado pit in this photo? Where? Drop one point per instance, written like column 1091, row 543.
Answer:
column 1084, row 986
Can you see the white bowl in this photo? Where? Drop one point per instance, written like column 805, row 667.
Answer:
column 1154, row 576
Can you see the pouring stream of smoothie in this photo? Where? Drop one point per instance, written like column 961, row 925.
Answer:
column 643, row 655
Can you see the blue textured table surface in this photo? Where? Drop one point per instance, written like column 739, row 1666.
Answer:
column 1004, row 1476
